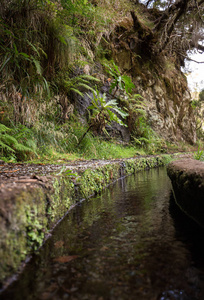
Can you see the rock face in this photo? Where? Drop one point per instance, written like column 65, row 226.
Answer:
column 159, row 81
column 170, row 114
column 187, row 177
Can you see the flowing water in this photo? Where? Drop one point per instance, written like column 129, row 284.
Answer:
column 131, row 242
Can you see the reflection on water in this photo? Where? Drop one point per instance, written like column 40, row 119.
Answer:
column 129, row 243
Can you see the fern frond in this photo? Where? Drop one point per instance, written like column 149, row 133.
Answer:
column 121, row 112
column 31, row 144
column 89, row 78
column 5, row 147
column 76, row 91
column 21, row 148
column 86, row 86
column 8, row 139
column 82, row 81
column 4, row 128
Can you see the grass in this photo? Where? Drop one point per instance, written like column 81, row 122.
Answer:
column 97, row 150
column 57, row 144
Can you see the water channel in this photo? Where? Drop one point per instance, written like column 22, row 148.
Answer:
column 131, row 242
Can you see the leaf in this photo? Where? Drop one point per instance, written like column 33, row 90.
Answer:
column 5, row 62
column 15, row 49
column 112, row 102
column 77, row 91
column 92, row 106
column 121, row 112
column 25, row 55
column 6, row 147
column 119, row 82
column 62, row 40
column 37, row 65
column 4, row 128
column 86, row 86
column 129, row 85
column 113, row 85
column 69, row 173
column 65, row 259
column 34, row 48
column 89, row 77
column 46, row 85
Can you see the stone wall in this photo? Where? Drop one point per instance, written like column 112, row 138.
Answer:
column 187, row 177
column 31, row 207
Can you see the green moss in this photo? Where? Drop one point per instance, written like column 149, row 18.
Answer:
column 60, row 198
column 24, row 228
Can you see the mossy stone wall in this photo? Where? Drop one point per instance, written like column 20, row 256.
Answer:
column 28, row 213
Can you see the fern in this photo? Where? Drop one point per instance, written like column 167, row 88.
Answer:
column 9, row 144
column 122, row 82
column 75, row 84
column 3, row 128
column 5, row 147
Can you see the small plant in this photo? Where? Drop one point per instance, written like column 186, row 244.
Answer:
column 122, row 82
column 103, row 113
column 10, row 147
column 75, row 84
column 199, row 155
column 67, row 172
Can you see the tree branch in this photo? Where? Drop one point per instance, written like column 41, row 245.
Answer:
column 179, row 6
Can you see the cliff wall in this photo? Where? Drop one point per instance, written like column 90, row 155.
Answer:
column 159, row 80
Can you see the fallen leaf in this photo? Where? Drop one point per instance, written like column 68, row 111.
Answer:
column 64, row 259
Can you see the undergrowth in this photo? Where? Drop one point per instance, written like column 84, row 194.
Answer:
column 48, row 142
column 199, row 154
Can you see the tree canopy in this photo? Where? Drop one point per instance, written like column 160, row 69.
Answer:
column 178, row 25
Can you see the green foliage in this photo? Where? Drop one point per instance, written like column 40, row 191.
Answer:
column 20, row 62
column 104, row 112
column 141, row 132
column 122, row 82
column 77, row 83
column 199, row 155
column 40, row 41
column 35, row 231
column 195, row 104
column 57, row 144
column 11, row 148
column 67, row 172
